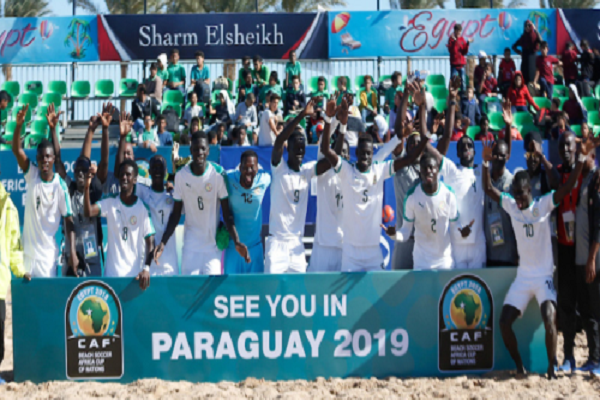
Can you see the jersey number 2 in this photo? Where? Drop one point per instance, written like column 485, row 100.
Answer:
column 433, row 222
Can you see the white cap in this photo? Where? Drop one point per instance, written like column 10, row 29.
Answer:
column 482, row 54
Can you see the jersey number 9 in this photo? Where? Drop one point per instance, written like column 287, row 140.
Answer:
column 296, row 196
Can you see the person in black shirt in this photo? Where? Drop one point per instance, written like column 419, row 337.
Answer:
column 140, row 107
column 587, row 60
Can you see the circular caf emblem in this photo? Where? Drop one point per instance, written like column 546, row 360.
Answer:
column 442, row 206
column 208, row 187
column 536, row 212
column 169, row 201
column 133, row 220
column 256, row 190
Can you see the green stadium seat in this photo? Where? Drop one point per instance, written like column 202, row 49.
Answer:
column 596, row 130
column 360, row 81
column 496, row 121
column 492, row 104
column 8, row 138
column 28, row 98
column 11, row 102
column 440, row 105
column 525, row 129
column 40, row 113
column 128, row 87
column 543, row 102
column 172, row 106
column 52, row 98
column 593, row 118
column 59, row 87
column 472, row 131
column 435, row 80
column 576, row 129
column 32, row 140
column 104, row 88
column 81, row 89
column 39, row 127
column 522, row 118
column 13, row 88
column 560, row 91
column 3, row 116
column 35, row 87
column 597, row 92
column 11, row 126
column 590, row 103
column 16, row 110
column 333, row 86
column 439, row 92
column 562, row 101
column 175, row 96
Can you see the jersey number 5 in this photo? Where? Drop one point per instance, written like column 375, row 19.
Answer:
column 200, row 203
column 528, row 230
column 365, row 198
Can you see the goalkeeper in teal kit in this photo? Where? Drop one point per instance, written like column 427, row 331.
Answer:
column 247, row 187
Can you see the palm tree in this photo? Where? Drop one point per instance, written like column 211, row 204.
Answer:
column 486, row 4
column 568, row 3
column 421, row 4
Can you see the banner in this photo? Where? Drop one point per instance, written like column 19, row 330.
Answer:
column 575, row 25
column 276, row 327
column 220, row 36
column 48, row 40
column 425, row 33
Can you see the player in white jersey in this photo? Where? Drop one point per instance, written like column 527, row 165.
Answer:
column 530, row 218
column 200, row 186
column 129, row 227
column 362, row 190
column 160, row 202
column 284, row 250
column 430, row 207
column 47, row 201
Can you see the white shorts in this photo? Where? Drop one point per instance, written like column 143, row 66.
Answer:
column 284, row 256
column 523, row 289
column 469, row 256
column 201, row 262
column 325, row 259
column 40, row 268
column 356, row 259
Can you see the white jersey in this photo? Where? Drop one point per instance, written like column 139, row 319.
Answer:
column 161, row 206
column 201, row 196
column 431, row 216
column 467, row 185
column 127, row 228
column 289, row 199
column 533, row 231
column 266, row 136
column 363, row 201
column 329, row 210
column 45, row 204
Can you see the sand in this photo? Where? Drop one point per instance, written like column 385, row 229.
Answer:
column 502, row 385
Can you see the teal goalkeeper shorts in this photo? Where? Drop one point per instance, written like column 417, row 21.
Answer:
column 235, row 264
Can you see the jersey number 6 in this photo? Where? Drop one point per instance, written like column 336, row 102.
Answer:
column 200, row 203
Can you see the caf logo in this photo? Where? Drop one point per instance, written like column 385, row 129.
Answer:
column 94, row 332
column 465, row 326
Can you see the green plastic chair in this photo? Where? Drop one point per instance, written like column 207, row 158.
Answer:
column 334, row 83
column 52, row 98
column 596, row 130
column 543, row 102
column 522, row 118
column 441, row 105
column 3, row 116
column 59, row 87
column 435, row 80
column 576, row 129
column 496, row 121
column 472, row 131
column 32, row 140
column 360, row 81
column 16, row 110
column 28, row 98
column 104, row 88
column 8, row 138
column 525, row 129
column 11, row 101
column 593, row 118
column 558, row 78
column 40, row 113
column 11, row 126
column 13, row 88
column 313, row 84
column 81, row 89
column 175, row 96
column 35, row 87
column 560, row 91
column 562, row 102
column 590, row 103
column 439, row 92
column 128, row 87
column 39, row 127
column 496, row 104
column 597, row 92
column 172, row 106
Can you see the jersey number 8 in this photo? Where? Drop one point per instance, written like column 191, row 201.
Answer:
column 124, row 234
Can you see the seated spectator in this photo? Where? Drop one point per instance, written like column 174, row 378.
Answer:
column 484, row 133
column 246, row 87
column 488, row 86
column 194, row 110
column 544, row 75
column 470, row 108
column 245, row 114
column 519, row 96
column 148, row 139
column 260, row 73
column 390, row 93
column 292, row 68
column 212, row 138
column 200, row 71
column 162, row 72
column 341, row 90
column 239, row 137
column 272, row 87
column 142, row 106
column 268, row 129
column 596, row 74
column 514, row 134
column 246, row 67
column 223, row 111
column 369, row 100
column 506, row 71
column 176, row 73
column 561, row 126
column 460, row 127
column 220, row 132
column 295, row 100
column 569, row 59
column 186, row 136
column 321, row 95
column 478, row 74
column 395, row 109
column 379, row 130
column 154, row 84
column 574, row 107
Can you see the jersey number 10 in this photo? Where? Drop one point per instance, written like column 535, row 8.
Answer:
column 528, row 230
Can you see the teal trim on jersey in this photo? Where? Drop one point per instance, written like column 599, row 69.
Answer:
column 391, row 166
column 50, row 181
column 502, row 195
column 217, row 167
column 151, row 223
column 408, row 193
column 552, row 193
column 178, row 200
column 28, row 166
column 63, row 186
column 156, row 191
column 449, row 187
column 432, row 194
column 99, row 209
column 136, row 200
column 457, row 217
column 442, row 163
column 337, row 171
column 205, row 169
column 225, row 198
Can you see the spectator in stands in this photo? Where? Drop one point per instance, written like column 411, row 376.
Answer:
column 519, row 96
column 596, row 75
column 272, row 87
column 162, row 72
column 292, row 68
column 484, row 126
column 458, row 49
column 295, row 99
column 574, row 107
column 342, row 89
column 149, row 139
column 176, row 78
column 185, row 137
column 246, row 86
column 528, row 42
column 544, row 75
column 220, row 132
column 260, row 72
column 488, row 87
column 470, row 108
column 141, row 106
column 479, row 73
column 506, row 72
column 561, row 126
column 154, row 84
column 245, row 114
column 390, row 93
column 460, row 127
column 395, row 109
column 587, row 69
column 321, row 96
column 223, row 111
column 194, row 110
column 379, row 130
column 212, row 138
column 239, row 137
column 569, row 59
column 200, row 71
column 246, row 66
column 4, row 100
column 369, row 100
column 268, row 129
column 165, row 138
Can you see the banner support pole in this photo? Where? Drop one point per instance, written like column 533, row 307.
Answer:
column 73, row 69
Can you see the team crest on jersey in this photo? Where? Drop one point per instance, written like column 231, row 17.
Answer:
column 256, row 191
column 133, row 220
column 208, row 187
column 169, row 201
column 374, row 179
column 506, row 187
column 536, row 212
column 442, row 207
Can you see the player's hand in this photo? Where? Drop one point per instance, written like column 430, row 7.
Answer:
column 21, row 114
column 389, row 230
column 74, row 263
column 488, row 149
column 52, row 117
column 27, row 276
column 466, row 231
column 343, row 112
column 144, row 278
column 589, row 145
column 419, row 97
column 331, row 108
column 243, row 251
column 590, row 271
column 536, row 148
column 106, row 116
column 93, row 169
column 88, row 178
column 153, row 148
column 507, row 112
column 310, row 107
column 94, row 123
column 158, row 250
column 125, row 124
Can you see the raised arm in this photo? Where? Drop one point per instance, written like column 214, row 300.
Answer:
column 86, row 150
column 551, row 173
column 277, row 153
column 52, row 119
column 444, row 141
column 125, row 125
column 399, row 163
column 230, row 224
column 342, row 115
column 105, row 118
column 508, row 119
column 563, row 190
column 89, row 210
column 17, row 150
column 401, row 115
column 171, row 226
column 488, row 188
